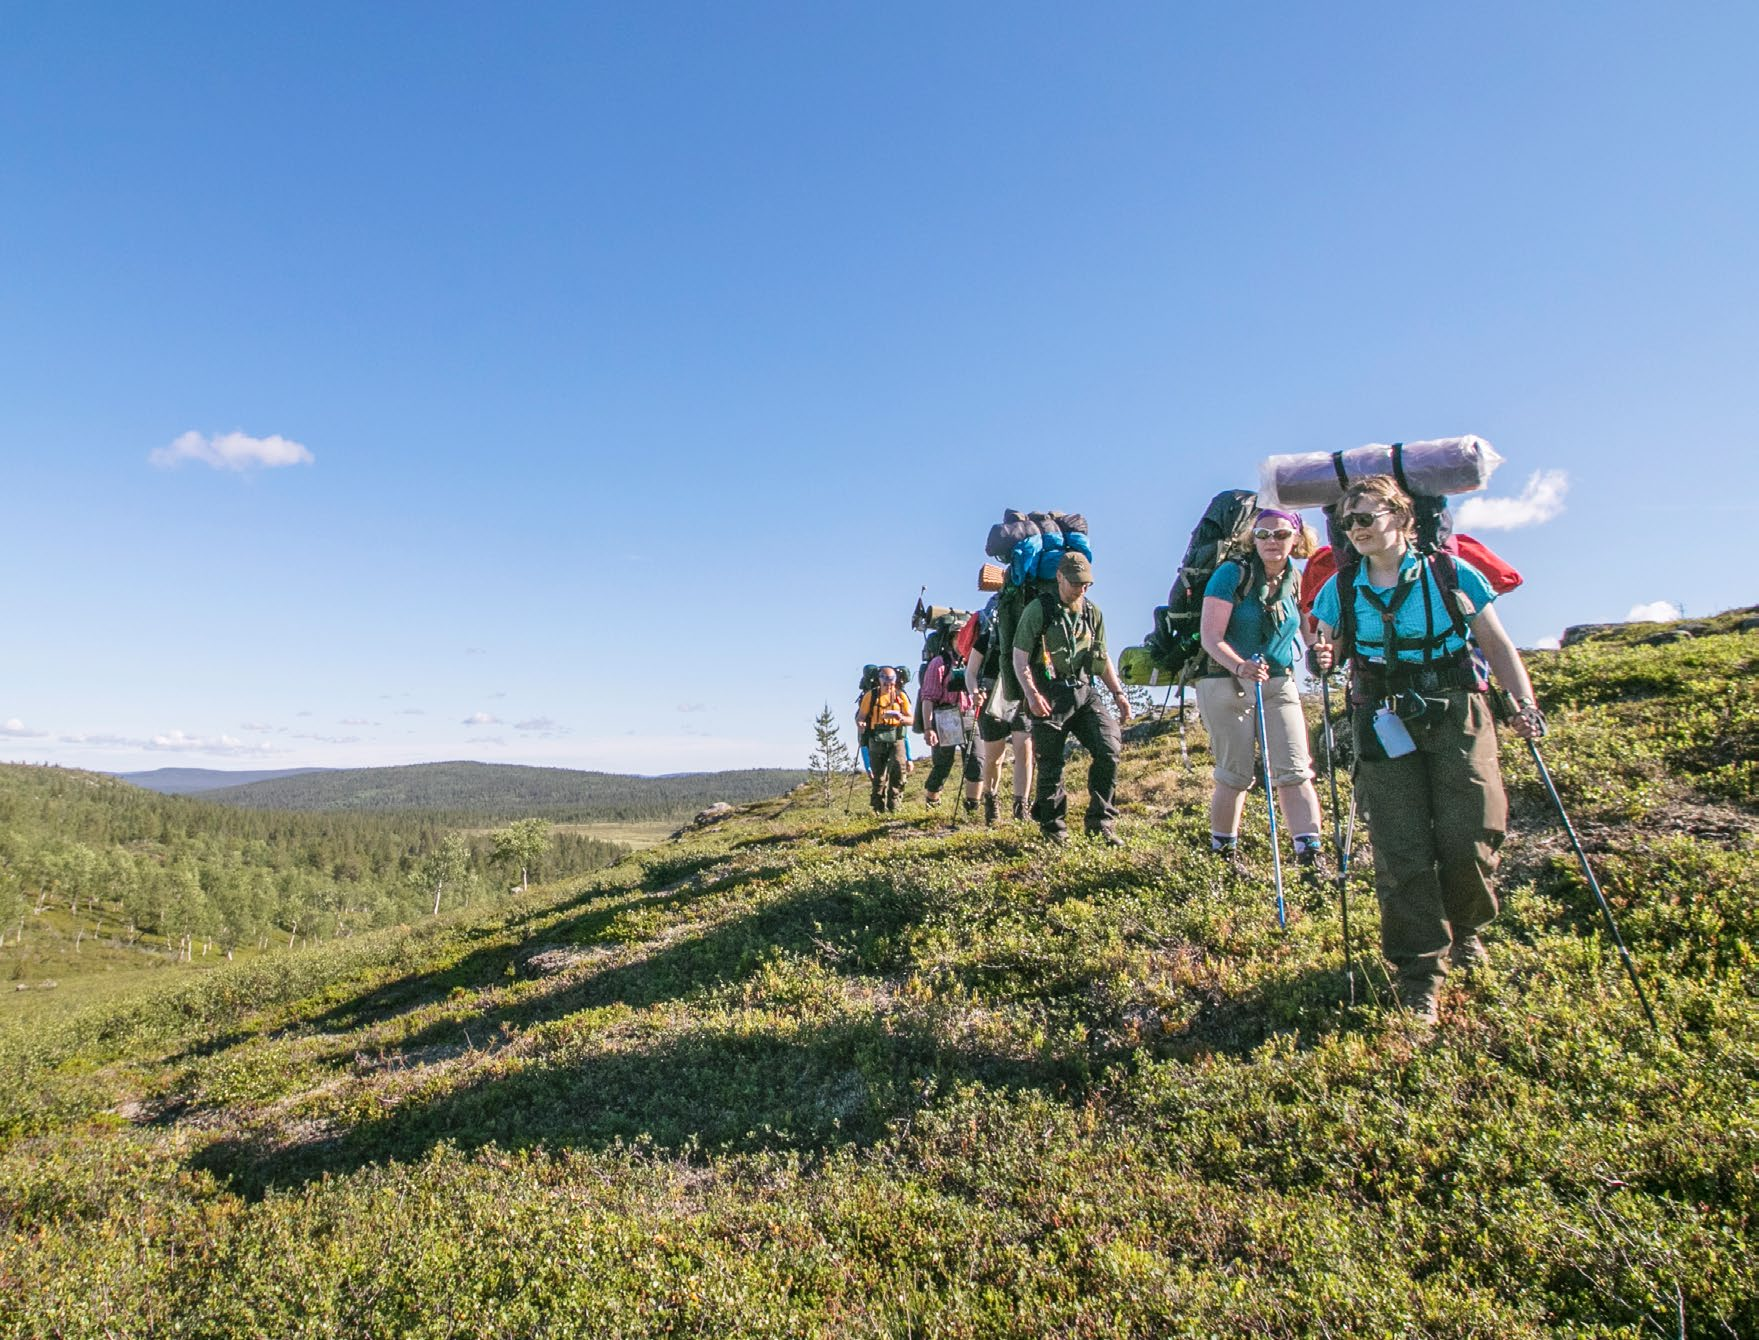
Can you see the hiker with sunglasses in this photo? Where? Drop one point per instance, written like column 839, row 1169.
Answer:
column 1426, row 749
column 1250, row 625
column 1059, row 650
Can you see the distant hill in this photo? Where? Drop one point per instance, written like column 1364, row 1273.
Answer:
column 460, row 790
column 189, row 781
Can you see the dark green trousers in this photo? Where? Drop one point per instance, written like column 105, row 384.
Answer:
column 1437, row 819
column 885, row 752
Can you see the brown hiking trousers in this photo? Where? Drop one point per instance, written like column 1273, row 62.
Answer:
column 1437, row 817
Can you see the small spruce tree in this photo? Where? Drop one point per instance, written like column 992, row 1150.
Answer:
column 831, row 757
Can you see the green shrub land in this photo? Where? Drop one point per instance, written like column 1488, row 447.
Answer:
column 810, row 1072
column 97, row 876
column 465, row 793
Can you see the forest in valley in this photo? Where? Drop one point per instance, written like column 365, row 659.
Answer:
column 99, row 859
column 466, row 794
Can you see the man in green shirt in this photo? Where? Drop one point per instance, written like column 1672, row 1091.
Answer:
column 1059, row 646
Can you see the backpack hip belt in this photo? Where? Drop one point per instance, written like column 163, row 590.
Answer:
column 1375, row 680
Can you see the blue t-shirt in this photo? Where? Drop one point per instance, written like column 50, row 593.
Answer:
column 1410, row 620
column 1247, row 633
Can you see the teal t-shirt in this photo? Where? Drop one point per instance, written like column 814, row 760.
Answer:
column 1248, row 629
column 1410, row 620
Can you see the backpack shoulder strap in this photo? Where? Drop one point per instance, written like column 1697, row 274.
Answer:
column 1249, row 568
column 1345, row 577
column 1447, row 581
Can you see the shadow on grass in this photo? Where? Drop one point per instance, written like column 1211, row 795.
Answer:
column 809, row 1086
column 823, row 1087
column 478, row 969
column 861, row 929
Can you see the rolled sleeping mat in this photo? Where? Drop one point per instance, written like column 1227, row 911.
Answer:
column 1436, row 467
column 991, row 576
column 1137, row 668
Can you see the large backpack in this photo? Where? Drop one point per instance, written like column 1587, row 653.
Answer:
column 1175, row 643
column 1497, row 570
column 870, row 676
column 938, row 641
column 1438, row 547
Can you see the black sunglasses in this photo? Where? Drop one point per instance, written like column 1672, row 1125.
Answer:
column 1358, row 520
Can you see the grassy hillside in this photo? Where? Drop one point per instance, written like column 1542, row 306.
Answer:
column 810, row 1073
column 466, row 792
column 103, row 883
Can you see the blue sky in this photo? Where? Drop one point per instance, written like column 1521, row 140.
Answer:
column 609, row 378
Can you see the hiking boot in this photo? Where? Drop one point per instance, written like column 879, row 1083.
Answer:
column 1231, row 862
column 1468, row 954
column 1105, row 836
column 1311, row 863
column 891, row 804
column 990, row 809
column 970, row 806
column 932, row 799
column 1057, row 837
column 1019, row 809
column 1420, row 1003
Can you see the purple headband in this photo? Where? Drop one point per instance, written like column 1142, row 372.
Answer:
column 1290, row 517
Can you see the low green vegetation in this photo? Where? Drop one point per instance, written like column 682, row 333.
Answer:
column 101, row 881
column 810, row 1072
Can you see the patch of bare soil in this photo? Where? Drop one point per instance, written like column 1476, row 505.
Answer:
column 1536, row 835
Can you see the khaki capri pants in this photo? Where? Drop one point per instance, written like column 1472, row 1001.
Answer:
column 1231, row 717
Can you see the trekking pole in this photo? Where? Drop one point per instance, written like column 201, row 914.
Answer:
column 1341, row 851
column 1276, row 855
column 1594, row 884
column 1184, row 751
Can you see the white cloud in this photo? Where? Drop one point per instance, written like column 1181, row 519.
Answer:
column 481, row 719
column 1540, row 501
column 112, row 741
column 254, row 725
column 1551, row 643
column 232, row 451
column 18, row 730
column 692, row 707
column 356, row 721
column 411, row 712
column 178, row 743
column 540, row 726
column 329, row 739
column 1656, row 611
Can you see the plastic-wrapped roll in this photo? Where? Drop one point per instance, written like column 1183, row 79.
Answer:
column 1319, row 478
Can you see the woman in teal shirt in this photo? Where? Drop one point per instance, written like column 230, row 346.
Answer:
column 1250, row 624
column 1427, row 770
